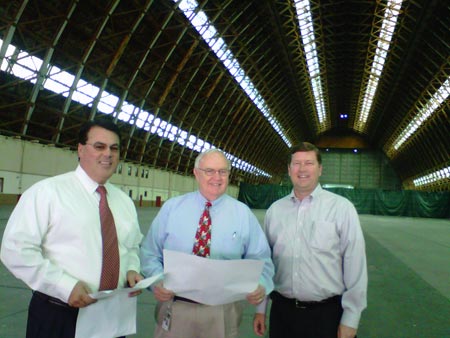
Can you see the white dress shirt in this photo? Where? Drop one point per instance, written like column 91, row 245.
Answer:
column 319, row 251
column 53, row 237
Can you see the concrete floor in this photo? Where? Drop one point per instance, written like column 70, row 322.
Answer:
column 409, row 281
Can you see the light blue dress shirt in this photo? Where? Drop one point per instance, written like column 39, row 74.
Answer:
column 236, row 233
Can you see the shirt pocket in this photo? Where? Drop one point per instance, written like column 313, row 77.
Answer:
column 324, row 236
column 229, row 246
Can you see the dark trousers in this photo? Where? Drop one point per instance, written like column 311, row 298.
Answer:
column 304, row 319
column 49, row 317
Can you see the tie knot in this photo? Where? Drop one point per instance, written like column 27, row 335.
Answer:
column 101, row 190
column 208, row 204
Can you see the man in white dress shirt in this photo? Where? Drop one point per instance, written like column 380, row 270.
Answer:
column 319, row 255
column 53, row 239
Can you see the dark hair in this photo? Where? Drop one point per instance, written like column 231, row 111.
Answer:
column 105, row 123
column 304, row 147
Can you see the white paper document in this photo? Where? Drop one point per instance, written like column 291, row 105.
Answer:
column 143, row 284
column 114, row 313
column 210, row 281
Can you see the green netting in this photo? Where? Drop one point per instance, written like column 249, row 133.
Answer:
column 407, row 203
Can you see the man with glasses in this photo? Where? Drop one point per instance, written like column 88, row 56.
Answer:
column 54, row 239
column 235, row 234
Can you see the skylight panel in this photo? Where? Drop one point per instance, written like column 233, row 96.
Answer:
column 65, row 78
column 107, row 102
column 30, row 62
column 423, row 114
column 60, row 82
column 26, row 67
column 86, row 91
column 433, row 177
column 129, row 109
column 181, row 140
column 312, row 62
column 56, row 87
column 201, row 23
column 155, row 125
column 124, row 116
column 388, row 25
column 142, row 118
column 8, row 54
column 82, row 98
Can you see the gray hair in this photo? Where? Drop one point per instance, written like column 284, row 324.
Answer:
column 210, row 151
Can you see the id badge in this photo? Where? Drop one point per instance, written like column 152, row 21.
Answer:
column 167, row 319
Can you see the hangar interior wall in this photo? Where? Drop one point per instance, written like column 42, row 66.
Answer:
column 24, row 163
column 367, row 169
column 363, row 169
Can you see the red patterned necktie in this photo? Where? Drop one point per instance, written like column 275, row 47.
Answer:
column 111, row 263
column 203, row 236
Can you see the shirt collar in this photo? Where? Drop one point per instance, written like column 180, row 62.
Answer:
column 203, row 200
column 316, row 192
column 88, row 183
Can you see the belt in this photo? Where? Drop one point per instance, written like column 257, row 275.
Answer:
column 276, row 296
column 182, row 299
column 52, row 300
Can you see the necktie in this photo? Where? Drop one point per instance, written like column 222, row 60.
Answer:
column 203, row 235
column 111, row 263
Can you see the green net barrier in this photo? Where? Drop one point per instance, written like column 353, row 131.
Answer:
column 406, row 203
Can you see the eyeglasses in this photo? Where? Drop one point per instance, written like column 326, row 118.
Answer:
column 212, row 172
column 100, row 147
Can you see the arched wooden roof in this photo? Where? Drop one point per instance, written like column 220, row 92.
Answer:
column 149, row 55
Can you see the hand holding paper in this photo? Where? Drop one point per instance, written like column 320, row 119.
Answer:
column 113, row 315
column 257, row 296
column 143, row 284
column 161, row 293
column 210, row 281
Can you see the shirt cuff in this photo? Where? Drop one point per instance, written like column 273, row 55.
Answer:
column 262, row 307
column 64, row 288
column 350, row 319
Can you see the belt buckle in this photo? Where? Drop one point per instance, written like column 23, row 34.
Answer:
column 299, row 305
